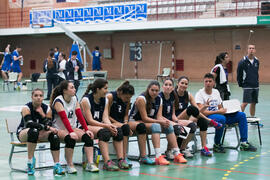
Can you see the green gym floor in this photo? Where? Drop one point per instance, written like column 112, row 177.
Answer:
column 231, row 165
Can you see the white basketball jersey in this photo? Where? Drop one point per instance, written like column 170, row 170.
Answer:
column 70, row 112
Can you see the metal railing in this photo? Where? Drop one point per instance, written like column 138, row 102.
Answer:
column 162, row 10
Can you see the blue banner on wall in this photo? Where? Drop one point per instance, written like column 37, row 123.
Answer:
column 91, row 15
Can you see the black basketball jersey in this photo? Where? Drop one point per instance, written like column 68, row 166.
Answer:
column 167, row 105
column 118, row 108
column 135, row 114
column 96, row 109
column 183, row 103
column 35, row 116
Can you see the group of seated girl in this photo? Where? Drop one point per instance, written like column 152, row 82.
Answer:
column 102, row 115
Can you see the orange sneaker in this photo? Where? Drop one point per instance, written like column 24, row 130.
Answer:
column 161, row 160
column 179, row 158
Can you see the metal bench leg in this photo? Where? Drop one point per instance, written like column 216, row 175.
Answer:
column 259, row 132
column 10, row 160
column 223, row 137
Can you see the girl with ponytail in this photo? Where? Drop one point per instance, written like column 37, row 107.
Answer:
column 95, row 109
column 119, row 105
column 68, row 113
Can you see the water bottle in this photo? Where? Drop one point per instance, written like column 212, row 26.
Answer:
column 76, row 76
column 21, row 61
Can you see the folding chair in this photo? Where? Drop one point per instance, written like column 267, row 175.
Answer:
column 165, row 73
column 256, row 121
column 12, row 78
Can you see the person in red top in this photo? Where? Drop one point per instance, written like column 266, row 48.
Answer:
column 67, row 108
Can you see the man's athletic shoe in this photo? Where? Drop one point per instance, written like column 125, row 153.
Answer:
column 57, row 169
column 110, row 166
column 205, row 152
column 91, row 167
column 187, row 153
column 30, row 169
column 247, row 147
column 169, row 155
column 122, row 164
column 179, row 158
column 147, row 160
column 71, row 170
column 218, row 148
column 216, row 125
column 161, row 161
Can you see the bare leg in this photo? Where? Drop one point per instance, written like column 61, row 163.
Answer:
column 20, row 77
column 118, row 146
column 172, row 143
column 186, row 141
column 252, row 109
column 203, row 135
column 104, row 149
column 243, row 106
column 125, row 146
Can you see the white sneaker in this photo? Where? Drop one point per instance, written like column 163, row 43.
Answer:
column 169, row 155
column 187, row 153
column 91, row 167
column 71, row 170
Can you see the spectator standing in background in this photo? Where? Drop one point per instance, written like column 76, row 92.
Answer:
column 17, row 61
column 248, row 79
column 74, row 68
column 220, row 73
column 96, row 64
column 62, row 73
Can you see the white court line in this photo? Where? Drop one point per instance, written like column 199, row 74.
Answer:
column 11, row 108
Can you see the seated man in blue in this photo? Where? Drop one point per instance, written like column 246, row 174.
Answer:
column 216, row 111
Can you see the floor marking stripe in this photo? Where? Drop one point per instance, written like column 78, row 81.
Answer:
column 158, row 175
column 231, row 169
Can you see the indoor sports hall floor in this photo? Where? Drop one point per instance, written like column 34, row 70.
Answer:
column 232, row 165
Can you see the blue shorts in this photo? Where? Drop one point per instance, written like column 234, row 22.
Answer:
column 5, row 68
column 16, row 69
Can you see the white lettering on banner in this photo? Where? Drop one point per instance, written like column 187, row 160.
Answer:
column 108, row 10
column 59, row 14
column 69, row 13
column 119, row 10
column 78, row 12
column 140, row 8
column 98, row 11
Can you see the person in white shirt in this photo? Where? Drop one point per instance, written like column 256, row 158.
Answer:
column 62, row 73
column 211, row 96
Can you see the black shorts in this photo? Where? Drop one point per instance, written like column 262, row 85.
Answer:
column 250, row 95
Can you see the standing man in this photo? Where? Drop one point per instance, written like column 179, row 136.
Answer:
column 74, row 68
column 96, row 64
column 17, row 61
column 248, row 79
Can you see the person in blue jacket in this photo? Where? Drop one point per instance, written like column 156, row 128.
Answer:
column 248, row 79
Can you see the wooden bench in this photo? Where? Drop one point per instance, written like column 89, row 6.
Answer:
column 42, row 78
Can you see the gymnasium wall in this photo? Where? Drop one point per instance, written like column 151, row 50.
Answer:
column 198, row 49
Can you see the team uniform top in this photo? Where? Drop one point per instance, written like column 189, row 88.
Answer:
column 96, row 109
column 135, row 114
column 16, row 64
column 118, row 108
column 70, row 112
column 183, row 104
column 7, row 62
column 168, row 104
column 35, row 116
column 215, row 99
column 96, row 60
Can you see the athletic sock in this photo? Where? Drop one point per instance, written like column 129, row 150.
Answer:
column 157, row 151
column 176, row 151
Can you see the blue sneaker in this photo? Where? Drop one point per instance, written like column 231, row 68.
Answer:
column 205, row 152
column 30, row 169
column 34, row 162
column 128, row 162
column 147, row 160
column 57, row 169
